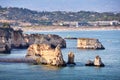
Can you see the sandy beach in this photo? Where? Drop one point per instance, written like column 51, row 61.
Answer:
column 61, row 28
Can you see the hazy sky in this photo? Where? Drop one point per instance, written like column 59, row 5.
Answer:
column 65, row 5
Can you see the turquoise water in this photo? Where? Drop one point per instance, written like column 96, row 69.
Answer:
column 110, row 57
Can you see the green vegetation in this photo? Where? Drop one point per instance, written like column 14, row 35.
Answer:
column 6, row 25
column 47, row 18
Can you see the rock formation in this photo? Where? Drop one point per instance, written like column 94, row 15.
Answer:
column 71, row 58
column 45, row 54
column 50, row 39
column 5, row 40
column 18, row 40
column 89, row 43
column 89, row 63
column 10, row 38
column 97, row 62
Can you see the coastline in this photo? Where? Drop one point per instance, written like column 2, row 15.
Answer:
column 61, row 28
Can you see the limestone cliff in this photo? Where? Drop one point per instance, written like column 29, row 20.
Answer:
column 10, row 38
column 5, row 40
column 18, row 40
column 45, row 54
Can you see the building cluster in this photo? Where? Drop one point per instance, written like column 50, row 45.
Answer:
column 62, row 23
column 89, row 23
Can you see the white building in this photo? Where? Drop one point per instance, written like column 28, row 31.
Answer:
column 104, row 23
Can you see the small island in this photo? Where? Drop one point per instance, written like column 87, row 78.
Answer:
column 89, row 43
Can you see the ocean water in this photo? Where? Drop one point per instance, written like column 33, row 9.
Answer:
column 110, row 57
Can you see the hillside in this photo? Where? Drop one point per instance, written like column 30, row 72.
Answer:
column 25, row 17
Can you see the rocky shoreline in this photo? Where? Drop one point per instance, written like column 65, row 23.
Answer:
column 10, row 38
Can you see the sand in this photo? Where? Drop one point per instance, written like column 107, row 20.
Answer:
column 61, row 28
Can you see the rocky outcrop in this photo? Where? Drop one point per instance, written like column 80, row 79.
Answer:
column 45, row 54
column 70, row 38
column 97, row 62
column 49, row 39
column 89, row 43
column 10, row 38
column 21, row 40
column 18, row 40
column 71, row 58
column 5, row 40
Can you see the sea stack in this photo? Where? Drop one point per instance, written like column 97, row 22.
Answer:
column 71, row 58
column 89, row 43
column 97, row 62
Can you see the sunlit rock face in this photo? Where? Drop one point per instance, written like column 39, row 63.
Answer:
column 50, row 39
column 98, row 61
column 89, row 43
column 45, row 54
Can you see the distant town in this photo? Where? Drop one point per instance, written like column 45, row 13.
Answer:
column 21, row 17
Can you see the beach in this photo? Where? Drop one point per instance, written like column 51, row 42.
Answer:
column 63, row 28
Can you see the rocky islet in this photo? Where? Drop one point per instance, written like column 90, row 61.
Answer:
column 97, row 62
column 45, row 54
column 89, row 43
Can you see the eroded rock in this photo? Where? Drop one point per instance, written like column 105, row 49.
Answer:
column 49, row 39
column 45, row 54
column 97, row 62
column 71, row 58
column 89, row 63
column 5, row 40
column 89, row 43
column 10, row 38
column 18, row 40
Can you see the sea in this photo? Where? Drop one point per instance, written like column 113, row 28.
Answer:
column 110, row 57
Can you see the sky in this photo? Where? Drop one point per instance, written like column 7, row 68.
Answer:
column 65, row 5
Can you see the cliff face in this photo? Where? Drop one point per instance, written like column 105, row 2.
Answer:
column 5, row 40
column 89, row 43
column 18, row 40
column 10, row 38
column 45, row 54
